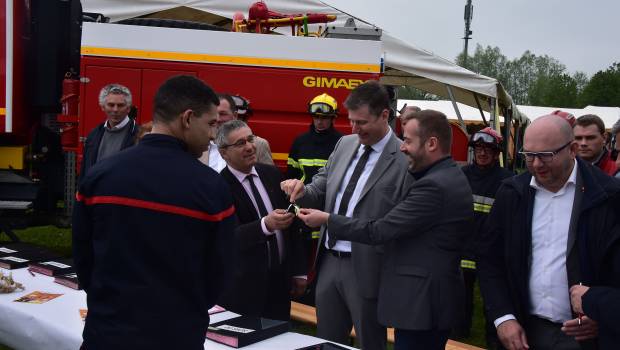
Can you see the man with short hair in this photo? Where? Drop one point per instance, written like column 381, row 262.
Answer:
column 151, row 231
column 421, row 292
column 550, row 228
column 272, row 264
column 116, row 133
column 229, row 110
column 365, row 177
column 591, row 137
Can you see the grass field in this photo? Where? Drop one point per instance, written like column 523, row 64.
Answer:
column 59, row 240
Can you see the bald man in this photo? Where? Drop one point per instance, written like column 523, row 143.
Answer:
column 550, row 228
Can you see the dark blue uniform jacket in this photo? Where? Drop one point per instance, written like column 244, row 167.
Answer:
column 153, row 243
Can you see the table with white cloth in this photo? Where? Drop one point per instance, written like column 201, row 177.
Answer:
column 57, row 324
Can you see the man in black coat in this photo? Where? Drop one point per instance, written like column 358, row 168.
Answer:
column 116, row 133
column 271, row 260
column 549, row 229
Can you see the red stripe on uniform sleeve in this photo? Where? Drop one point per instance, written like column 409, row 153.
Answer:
column 166, row 208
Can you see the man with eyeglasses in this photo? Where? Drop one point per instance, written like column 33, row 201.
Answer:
column 485, row 175
column 550, row 228
column 364, row 177
column 116, row 133
column 272, row 266
column 591, row 137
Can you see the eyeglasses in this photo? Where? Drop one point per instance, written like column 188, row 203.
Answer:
column 242, row 142
column 483, row 147
column 544, row 157
column 321, row 108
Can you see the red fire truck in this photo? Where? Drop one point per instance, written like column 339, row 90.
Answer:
column 56, row 59
column 55, row 65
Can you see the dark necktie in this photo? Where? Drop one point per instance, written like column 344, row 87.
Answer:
column 348, row 191
column 272, row 242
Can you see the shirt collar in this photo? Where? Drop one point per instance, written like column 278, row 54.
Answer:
column 118, row 126
column 379, row 146
column 241, row 175
column 572, row 179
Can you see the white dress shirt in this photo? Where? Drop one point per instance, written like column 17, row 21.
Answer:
column 548, row 276
column 213, row 158
column 117, row 126
column 373, row 157
column 548, row 280
column 242, row 177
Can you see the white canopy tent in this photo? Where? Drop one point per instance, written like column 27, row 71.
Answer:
column 609, row 115
column 405, row 63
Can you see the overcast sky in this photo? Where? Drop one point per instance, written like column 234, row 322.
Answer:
column 583, row 35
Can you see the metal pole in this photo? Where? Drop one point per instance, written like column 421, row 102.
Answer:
column 456, row 108
column 469, row 15
column 484, row 120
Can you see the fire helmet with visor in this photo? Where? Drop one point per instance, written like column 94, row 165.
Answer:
column 486, row 136
column 323, row 105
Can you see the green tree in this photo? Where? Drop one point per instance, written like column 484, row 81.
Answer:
column 529, row 79
column 557, row 90
column 603, row 89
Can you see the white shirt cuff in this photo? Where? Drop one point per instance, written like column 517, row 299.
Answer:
column 302, row 277
column 503, row 319
column 264, row 227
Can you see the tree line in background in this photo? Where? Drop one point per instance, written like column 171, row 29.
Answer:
column 539, row 80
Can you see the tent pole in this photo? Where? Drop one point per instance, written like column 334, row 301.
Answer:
column 456, row 108
column 507, row 127
column 484, row 120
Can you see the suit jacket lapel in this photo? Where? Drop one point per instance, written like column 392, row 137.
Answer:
column 238, row 190
column 339, row 171
column 573, row 270
column 386, row 158
column 264, row 178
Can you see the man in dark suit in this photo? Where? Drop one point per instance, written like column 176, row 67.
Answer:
column 364, row 177
column 272, row 266
column 421, row 292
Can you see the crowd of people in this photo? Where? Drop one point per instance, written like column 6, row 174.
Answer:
column 196, row 214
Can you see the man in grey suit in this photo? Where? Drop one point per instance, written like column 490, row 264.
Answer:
column 421, row 290
column 364, row 177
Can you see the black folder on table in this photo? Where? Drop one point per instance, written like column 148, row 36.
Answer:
column 323, row 346
column 54, row 267
column 17, row 248
column 245, row 330
column 22, row 258
column 69, row 280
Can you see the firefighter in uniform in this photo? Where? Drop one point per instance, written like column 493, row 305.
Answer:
column 310, row 151
column 485, row 176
